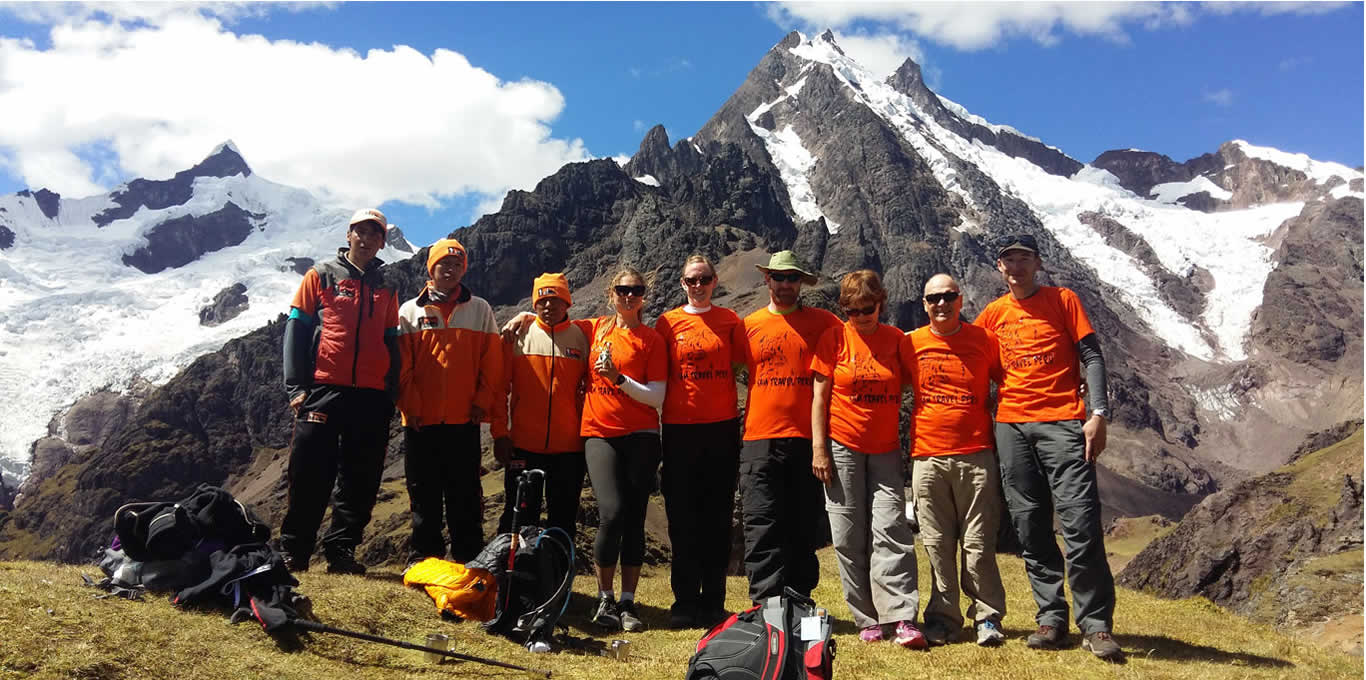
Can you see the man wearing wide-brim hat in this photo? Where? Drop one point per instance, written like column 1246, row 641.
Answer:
column 783, row 502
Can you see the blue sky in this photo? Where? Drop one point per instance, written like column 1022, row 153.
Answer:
column 485, row 97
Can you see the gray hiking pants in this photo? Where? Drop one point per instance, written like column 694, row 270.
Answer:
column 1043, row 468
column 866, row 501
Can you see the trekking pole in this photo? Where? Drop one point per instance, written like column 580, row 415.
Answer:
column 324, row 628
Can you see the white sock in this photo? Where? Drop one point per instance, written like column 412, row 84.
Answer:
column 607, row 593
column 627, row 597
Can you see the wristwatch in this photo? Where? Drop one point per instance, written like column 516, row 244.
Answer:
column 621, row 378
column 1100, row 412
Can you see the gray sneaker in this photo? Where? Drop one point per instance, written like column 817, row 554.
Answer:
column 607, row 615
column 989, row 634
column 630, row 620
column 1046, row 637
column 1103, row 645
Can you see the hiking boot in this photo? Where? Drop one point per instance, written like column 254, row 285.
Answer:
column 681, row 618
column 1046, row 637
column 989, row 634
column 910, row 637
column 871, row 633
column 630, row 619
column 295, row 565
column 1103, row 645
column 607, row 615
column 345, row 564
column 937, row 632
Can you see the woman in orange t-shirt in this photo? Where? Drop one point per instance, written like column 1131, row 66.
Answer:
column 701, row 445
column 621, row 448
column 857, row 375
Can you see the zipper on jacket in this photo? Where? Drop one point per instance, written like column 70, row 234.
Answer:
column 550, row 400
column 360, row 309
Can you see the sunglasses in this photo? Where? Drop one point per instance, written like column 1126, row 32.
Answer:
column 637, row 291
column 936, row 298
column 698, row 281
column 785, row 278
column 860, row 311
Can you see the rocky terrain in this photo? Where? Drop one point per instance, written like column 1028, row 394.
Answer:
column 1283, row 548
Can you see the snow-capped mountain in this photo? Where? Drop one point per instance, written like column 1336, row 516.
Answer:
column 1228, row 247
column 106, row 291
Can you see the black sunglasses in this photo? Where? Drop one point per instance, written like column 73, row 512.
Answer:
column 698, row 281
column 638, row 291
column 856, row 311
column 936, row 298
column 785, row 278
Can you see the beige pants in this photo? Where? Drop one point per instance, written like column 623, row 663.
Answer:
column 957, row 500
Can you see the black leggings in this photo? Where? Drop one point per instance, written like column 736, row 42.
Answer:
column 622, row 470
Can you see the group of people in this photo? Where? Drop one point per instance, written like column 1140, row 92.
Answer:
column 614, row 398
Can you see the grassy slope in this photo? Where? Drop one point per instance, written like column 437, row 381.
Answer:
column 54, row 629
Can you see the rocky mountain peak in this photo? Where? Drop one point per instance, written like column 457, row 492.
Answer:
column 225, row 161
column 829, row 37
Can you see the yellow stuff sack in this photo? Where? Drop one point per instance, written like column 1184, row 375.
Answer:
column 469, row 593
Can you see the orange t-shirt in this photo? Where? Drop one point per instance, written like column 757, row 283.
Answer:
column 952, row 378
column 778, row 349
column 1038, row 337
column 702, row 348
column 865, row 399
column 639, row 354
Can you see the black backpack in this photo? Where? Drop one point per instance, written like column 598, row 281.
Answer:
column 787, row 637
column 208, row 519
column 532, row 567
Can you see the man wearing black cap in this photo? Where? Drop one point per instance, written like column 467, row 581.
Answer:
column 1048, row 446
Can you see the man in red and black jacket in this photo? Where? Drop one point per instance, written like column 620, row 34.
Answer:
column 341, row 370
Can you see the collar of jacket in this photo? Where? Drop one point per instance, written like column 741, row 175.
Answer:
column 557, row 327
column 423, row 299
column 371, row 267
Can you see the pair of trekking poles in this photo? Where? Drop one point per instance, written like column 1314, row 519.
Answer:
column 528, row 495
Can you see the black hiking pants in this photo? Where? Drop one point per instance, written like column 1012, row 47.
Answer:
column 564, row 474
column 441, row 468
column 623, row 473
column 699, row 473
column 784, row 511
column 340, row 435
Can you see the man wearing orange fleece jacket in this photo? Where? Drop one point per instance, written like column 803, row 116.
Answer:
column 451, row 367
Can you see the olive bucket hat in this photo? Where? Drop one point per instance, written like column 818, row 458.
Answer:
column 787, row 261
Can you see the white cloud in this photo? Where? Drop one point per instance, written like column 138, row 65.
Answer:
column 972, row 26
column 638, row 125
column 1291, row 63
column 1221, row 97
column 880, row 53
column 158, row 86
column 979, row 25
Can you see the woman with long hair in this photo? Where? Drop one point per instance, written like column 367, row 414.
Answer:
column 857, row 375
column 621, row 429
column 701, row 437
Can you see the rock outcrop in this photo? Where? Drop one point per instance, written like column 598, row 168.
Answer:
column 226, row 305
column 225, row 161
column 181, row 240
column 1283, row 548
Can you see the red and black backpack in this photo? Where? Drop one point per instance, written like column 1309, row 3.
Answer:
column 787, row 637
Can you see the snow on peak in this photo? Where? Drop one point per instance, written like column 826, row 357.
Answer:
column 647, row 179
column 1168, row 192
column 63, row 284
column 1229, row 245
column 1319, row 171
column 225, row 145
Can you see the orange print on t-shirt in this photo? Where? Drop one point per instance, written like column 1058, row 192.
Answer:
column 638, row 354
column 1038, row 337
column 865, row 397
column 778, row 349
column 702, row 349
column 951, row 376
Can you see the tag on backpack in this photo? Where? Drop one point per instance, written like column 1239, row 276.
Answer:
column 811, row 628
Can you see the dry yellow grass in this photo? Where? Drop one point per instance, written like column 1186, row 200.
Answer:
column 53, row 628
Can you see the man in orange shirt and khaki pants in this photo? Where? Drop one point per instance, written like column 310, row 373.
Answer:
column 1048, row 446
